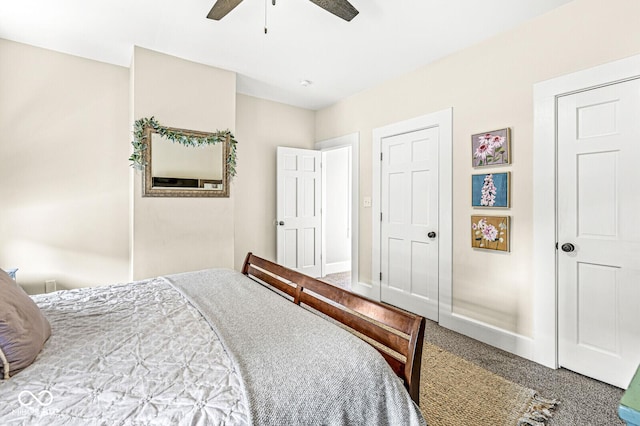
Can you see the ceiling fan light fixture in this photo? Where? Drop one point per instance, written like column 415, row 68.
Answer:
column 340, row 8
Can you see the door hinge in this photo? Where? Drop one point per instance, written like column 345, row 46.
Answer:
column 380, row 216
column 380, row 276
column 380, row 156
column 556, row 245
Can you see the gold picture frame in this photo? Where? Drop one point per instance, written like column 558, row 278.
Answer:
column 490, row 232
column 491, row 148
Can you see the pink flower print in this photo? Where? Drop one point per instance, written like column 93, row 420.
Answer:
column 496, row 141
column 490, row 150
column 483, row 150
column 489, row 233
column 488, row 192
column 484, row 138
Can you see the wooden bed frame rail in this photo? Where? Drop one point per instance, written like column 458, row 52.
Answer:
column 396, row 334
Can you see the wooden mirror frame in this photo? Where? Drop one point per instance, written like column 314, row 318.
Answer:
column 148, row 190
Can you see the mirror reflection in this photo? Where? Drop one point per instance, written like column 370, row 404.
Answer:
column 175, row 170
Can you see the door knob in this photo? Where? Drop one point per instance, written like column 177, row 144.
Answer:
column 431, row 234
column 568, row 247
column 281, row 223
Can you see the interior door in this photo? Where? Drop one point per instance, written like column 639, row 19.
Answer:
column 298, row 209
column 599, row 232
column 409, row 221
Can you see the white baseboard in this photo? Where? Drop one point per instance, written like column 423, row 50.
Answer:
column 508, row 341
column 334, row 268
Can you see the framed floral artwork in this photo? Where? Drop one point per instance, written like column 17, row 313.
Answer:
column 491, row 190
column 490, row 232
column 491, row 148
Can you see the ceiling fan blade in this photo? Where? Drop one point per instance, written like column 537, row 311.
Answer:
column 340, row 8
column 221, row 8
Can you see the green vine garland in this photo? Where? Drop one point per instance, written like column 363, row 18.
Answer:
column 139, row 142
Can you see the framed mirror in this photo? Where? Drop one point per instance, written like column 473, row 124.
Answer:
column 174, row 169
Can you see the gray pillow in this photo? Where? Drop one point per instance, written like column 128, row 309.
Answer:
column 23, row 328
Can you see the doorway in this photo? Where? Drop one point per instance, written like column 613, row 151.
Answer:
column 340, row 192
column 300, row 227
column 336, row 216
column 424, row 283
column 583, row 313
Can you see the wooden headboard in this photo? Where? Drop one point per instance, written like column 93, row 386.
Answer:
column 396, row 334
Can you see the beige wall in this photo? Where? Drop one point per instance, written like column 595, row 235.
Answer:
column 64, row 174
column 489, row 86
column 72, row 207
column 262, row 126
column 179, row 234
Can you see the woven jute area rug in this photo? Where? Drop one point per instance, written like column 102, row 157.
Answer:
column 456, row 392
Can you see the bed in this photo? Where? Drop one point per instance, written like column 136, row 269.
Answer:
column 266, row 345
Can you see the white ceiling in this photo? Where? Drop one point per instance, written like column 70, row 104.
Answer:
column 388, row 38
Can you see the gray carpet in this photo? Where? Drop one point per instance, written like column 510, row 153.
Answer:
column 583, row 401
column 340, row 279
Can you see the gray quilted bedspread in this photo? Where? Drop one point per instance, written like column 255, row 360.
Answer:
column 228, row 351
column 134, row 354
column 297, row 368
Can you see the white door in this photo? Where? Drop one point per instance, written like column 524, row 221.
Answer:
column 298, row 209
column 409, row 221
column 599, row 232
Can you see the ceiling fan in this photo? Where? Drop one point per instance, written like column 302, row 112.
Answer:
column 341, row 8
